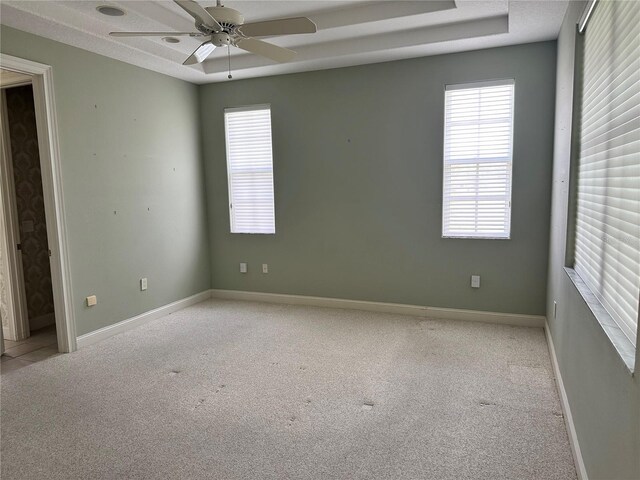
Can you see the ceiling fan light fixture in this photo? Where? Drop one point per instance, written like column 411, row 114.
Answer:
column 171, row 39
column 221, row 39
column 110, row 11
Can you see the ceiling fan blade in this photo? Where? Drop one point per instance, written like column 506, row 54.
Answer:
column 265, row 49
column 283, row 26
column 154, row 34
column 199, row 13
column 202, row 52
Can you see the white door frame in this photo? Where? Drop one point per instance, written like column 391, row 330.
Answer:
column 50, row 166
column 16, row 301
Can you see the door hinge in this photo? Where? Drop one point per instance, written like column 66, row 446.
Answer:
column 49, row 252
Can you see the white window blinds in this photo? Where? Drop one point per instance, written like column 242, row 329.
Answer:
column 607, row 246
column 250, row 169
column 478, row 137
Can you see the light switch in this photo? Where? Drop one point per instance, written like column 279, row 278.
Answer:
column 265, row 268
column 243, row 268
column 475, row 281
column 143, row 284
column 92, row 300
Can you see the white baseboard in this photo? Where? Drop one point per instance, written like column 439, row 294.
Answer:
column 516, row 319
column 133, row 322
column 566, row 409
column 395, row 308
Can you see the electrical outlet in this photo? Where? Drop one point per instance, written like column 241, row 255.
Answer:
column 243, row 267
column 92, row 300
column 143, row 284
column 475, row 281
column 265, row 268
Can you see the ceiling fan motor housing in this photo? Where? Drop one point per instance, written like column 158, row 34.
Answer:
column 227, row 17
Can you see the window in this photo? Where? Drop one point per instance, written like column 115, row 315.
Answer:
column 607, row 234
column 250, row 169
column 478, row 138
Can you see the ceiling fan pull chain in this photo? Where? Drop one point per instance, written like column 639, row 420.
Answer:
column 229, row 58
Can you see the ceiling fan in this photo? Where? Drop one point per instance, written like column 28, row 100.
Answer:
column 222, row 27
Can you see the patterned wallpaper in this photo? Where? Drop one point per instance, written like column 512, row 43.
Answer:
column 29, row 200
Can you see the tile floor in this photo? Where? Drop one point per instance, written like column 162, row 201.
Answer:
column 40, row 345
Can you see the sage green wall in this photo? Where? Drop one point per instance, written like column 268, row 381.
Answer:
column 603, row 395
column 358, row 185
column 129, row 143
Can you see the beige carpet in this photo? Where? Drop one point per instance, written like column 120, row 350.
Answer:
column 235, row 390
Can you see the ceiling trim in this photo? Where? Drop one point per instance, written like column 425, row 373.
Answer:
column 349, row 32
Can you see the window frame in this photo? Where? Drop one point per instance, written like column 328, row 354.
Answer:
column 476, row 85
column 620, row 341
column 232, row 220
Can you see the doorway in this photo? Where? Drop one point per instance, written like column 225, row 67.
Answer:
column 29, row 330
column 35, row 295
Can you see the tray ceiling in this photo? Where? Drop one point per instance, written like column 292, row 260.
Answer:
column 349, row 33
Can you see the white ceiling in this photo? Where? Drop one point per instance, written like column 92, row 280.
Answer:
column 349, row 32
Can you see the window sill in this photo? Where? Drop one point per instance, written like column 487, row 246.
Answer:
column 471, row 237
column 620, row 342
